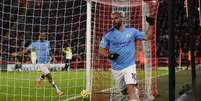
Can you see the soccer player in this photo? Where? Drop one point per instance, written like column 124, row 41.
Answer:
column 68, row 56
column 118, row 45
column 42, row 49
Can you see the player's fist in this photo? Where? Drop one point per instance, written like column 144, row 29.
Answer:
column 150, row 20
column 113, row 56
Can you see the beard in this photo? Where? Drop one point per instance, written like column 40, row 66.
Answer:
column 42, row 39
column 117, row 25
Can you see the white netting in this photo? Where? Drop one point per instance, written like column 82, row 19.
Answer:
column 64, row 23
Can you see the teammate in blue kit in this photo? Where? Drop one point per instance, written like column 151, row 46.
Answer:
column 119, row 46
column 43, row 57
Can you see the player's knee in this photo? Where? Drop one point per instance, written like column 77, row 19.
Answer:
column 131, row 88
column 49, row 77
column 45, row 71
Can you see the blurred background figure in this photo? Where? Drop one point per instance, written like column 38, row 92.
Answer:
column 18, row 65
column 67, row 57
column 188, row 60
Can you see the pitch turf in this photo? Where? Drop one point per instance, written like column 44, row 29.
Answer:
column 182, row 77
column 19, row 86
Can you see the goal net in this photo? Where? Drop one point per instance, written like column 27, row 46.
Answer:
column 64, row 24
column 74, row 29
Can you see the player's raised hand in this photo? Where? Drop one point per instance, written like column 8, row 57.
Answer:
column 150, row 20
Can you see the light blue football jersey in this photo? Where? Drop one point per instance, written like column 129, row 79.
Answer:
column 122, row 43
column 42, row 51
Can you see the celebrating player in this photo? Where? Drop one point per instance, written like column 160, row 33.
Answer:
column 42, row 49
column 118, row 46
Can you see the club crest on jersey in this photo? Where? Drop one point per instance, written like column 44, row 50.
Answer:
column 128, row 35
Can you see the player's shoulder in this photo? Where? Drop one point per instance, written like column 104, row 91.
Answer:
column 34, row 42
column 47, row 41
column 108, row 33
column 130, row 28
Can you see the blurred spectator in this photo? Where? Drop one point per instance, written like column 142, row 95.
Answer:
column 188, row 59
column 67, row 57
column 183, row 36
column 18, row 64
column 141, row 60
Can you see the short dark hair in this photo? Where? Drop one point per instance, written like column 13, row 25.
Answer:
column 118, row 13
column 42, row 33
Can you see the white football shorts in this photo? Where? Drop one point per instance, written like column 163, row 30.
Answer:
column 125, row 76
column 44, row 68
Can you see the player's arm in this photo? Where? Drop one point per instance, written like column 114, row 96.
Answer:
column 19, row 53
column 51, row 53
column 138, row 35
column 52, row 57
column 63, row 50
column 23, row 51
column 149, row 31
column 103, row 50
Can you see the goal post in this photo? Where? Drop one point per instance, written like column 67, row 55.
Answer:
column 89, row 70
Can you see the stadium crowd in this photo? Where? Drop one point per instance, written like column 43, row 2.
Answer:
column 183, row 33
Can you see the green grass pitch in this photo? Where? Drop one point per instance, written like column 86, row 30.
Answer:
column 20, row 86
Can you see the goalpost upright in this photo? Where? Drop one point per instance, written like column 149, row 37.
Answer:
column 88, row 49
